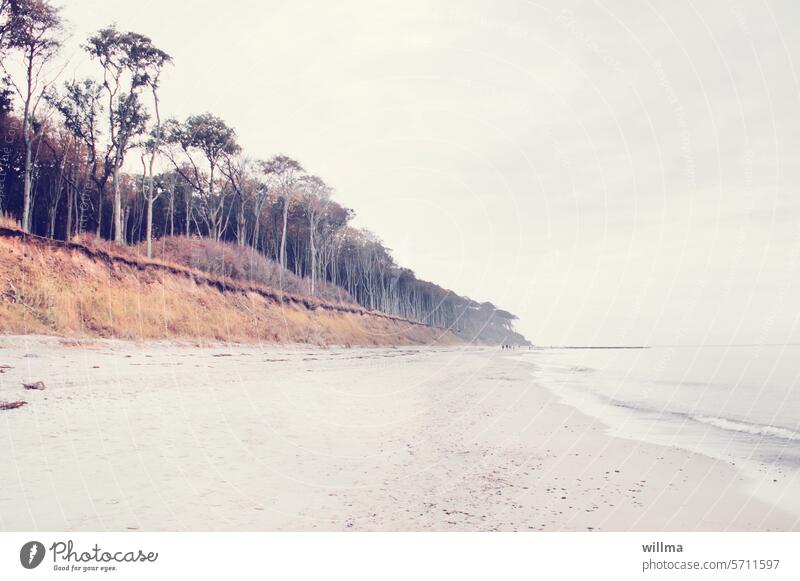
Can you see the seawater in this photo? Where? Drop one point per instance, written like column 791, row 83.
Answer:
column 740, row 404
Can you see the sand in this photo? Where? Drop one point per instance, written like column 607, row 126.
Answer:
column 165, row 436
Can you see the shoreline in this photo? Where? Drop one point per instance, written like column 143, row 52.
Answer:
column 684, row 431
column 164, row 437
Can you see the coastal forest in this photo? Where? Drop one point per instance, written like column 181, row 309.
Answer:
column 97, row 159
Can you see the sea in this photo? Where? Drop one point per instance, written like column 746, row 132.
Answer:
column 737, row 403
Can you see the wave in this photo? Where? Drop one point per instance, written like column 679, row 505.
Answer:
column 647, row 409
column 721, row 423
column 747, row 428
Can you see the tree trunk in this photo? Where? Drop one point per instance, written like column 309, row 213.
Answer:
column 51, row 230
column 156, row 145
column 188, row 210
column 28, row 141
column 125, row 216
column 172, row 211
column 150, row 225
column 283, row 231
column 311, row 227
column 70, row 201
column 99, row 211
column 26, row 191
column 256, row 231
column 241, row 229
column 119, row 234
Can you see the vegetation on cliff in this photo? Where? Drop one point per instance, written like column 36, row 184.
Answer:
column 98, row 156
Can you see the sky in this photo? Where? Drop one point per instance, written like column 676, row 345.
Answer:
column 616, row 172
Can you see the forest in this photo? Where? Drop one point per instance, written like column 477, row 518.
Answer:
column 97, row 157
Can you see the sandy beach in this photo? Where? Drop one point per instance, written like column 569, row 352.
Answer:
column 168, row 436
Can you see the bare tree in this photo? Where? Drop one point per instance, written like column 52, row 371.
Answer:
column 129, row 61
column 178, row 149
column 237, row 169
column 61, row 146
column 154, row 144
column 33, row 30
column 260, row 196
column 315, row 197
column 284, row 173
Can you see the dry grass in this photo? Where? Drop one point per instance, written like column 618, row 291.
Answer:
column 74, row 291
column 8, row 221
column 97, row 244
column 223, row 259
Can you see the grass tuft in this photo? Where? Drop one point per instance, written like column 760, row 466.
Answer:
column 9, row 221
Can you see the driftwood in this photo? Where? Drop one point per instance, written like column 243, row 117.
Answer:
column 10, row 405
column 35, row 385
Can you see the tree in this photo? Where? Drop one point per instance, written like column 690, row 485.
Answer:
column 284, row 173
column 236, row 168
column 130, row 62
column 61, row 145
column 214, row 140
column 5, row 25
column 33, row 29
column 81, row 109
column 5, row 22
column 315, row 197
column 154, row 144
column 260, row 195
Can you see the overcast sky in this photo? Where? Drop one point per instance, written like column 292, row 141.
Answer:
column 611, row 172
